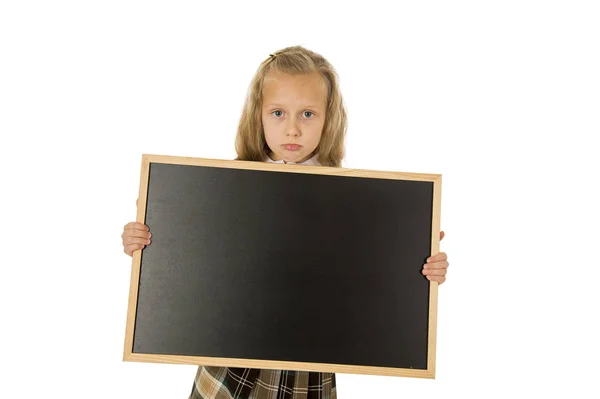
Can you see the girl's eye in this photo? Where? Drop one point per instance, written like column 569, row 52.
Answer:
column 278, row 113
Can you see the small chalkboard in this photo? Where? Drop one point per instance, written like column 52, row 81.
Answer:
column 283, row 266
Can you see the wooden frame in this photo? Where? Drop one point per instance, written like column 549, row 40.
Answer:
column 147, row 160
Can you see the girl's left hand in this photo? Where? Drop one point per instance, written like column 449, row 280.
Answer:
column 437, row 266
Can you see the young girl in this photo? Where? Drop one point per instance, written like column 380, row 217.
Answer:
column 294, row 114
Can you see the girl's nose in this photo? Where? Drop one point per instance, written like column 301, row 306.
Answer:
column 293, row 130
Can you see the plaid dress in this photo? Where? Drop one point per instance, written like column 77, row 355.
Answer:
column 245, row 383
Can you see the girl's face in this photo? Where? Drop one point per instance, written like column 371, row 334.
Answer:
column 293, row 115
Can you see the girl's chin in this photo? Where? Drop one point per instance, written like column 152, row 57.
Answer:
column 289, row 156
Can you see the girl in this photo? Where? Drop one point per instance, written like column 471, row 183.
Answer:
column 293, row 113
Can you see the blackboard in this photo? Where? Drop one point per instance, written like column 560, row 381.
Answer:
column 284, row 266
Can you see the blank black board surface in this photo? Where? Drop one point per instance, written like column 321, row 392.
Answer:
column 285, row 267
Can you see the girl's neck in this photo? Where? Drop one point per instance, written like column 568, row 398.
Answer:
column 273, row 157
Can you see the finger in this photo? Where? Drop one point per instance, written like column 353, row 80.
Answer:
column 135, row 234
column 443, row 264
column 434, row 272
column 131, row 235
column 129, row 225
column 438, row 257
column 136, row 226
column 442, row 235
column 129, row 249
column 135, row 240
column 439, row 279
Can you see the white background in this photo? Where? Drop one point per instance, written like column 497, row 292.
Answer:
column 502, row 98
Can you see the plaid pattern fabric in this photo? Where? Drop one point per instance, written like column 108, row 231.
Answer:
column 245, row 383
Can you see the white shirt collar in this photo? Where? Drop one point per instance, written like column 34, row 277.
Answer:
column 310, row 161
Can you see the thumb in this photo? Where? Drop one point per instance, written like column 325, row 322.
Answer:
column 442, row 234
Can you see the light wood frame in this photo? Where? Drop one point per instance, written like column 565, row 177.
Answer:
column 129, row 355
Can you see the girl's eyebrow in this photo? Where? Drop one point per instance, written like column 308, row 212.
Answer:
column 305, row 106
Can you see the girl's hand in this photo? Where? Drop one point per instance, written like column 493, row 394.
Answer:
column 437, row 266
column 135, row 236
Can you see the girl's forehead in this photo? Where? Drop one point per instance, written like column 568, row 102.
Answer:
column 280, row 87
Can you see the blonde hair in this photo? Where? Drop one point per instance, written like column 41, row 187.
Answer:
column 250, row 143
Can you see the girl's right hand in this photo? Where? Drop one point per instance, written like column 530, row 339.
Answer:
column 135, row 236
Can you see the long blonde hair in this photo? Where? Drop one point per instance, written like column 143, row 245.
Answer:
column 250, row 143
